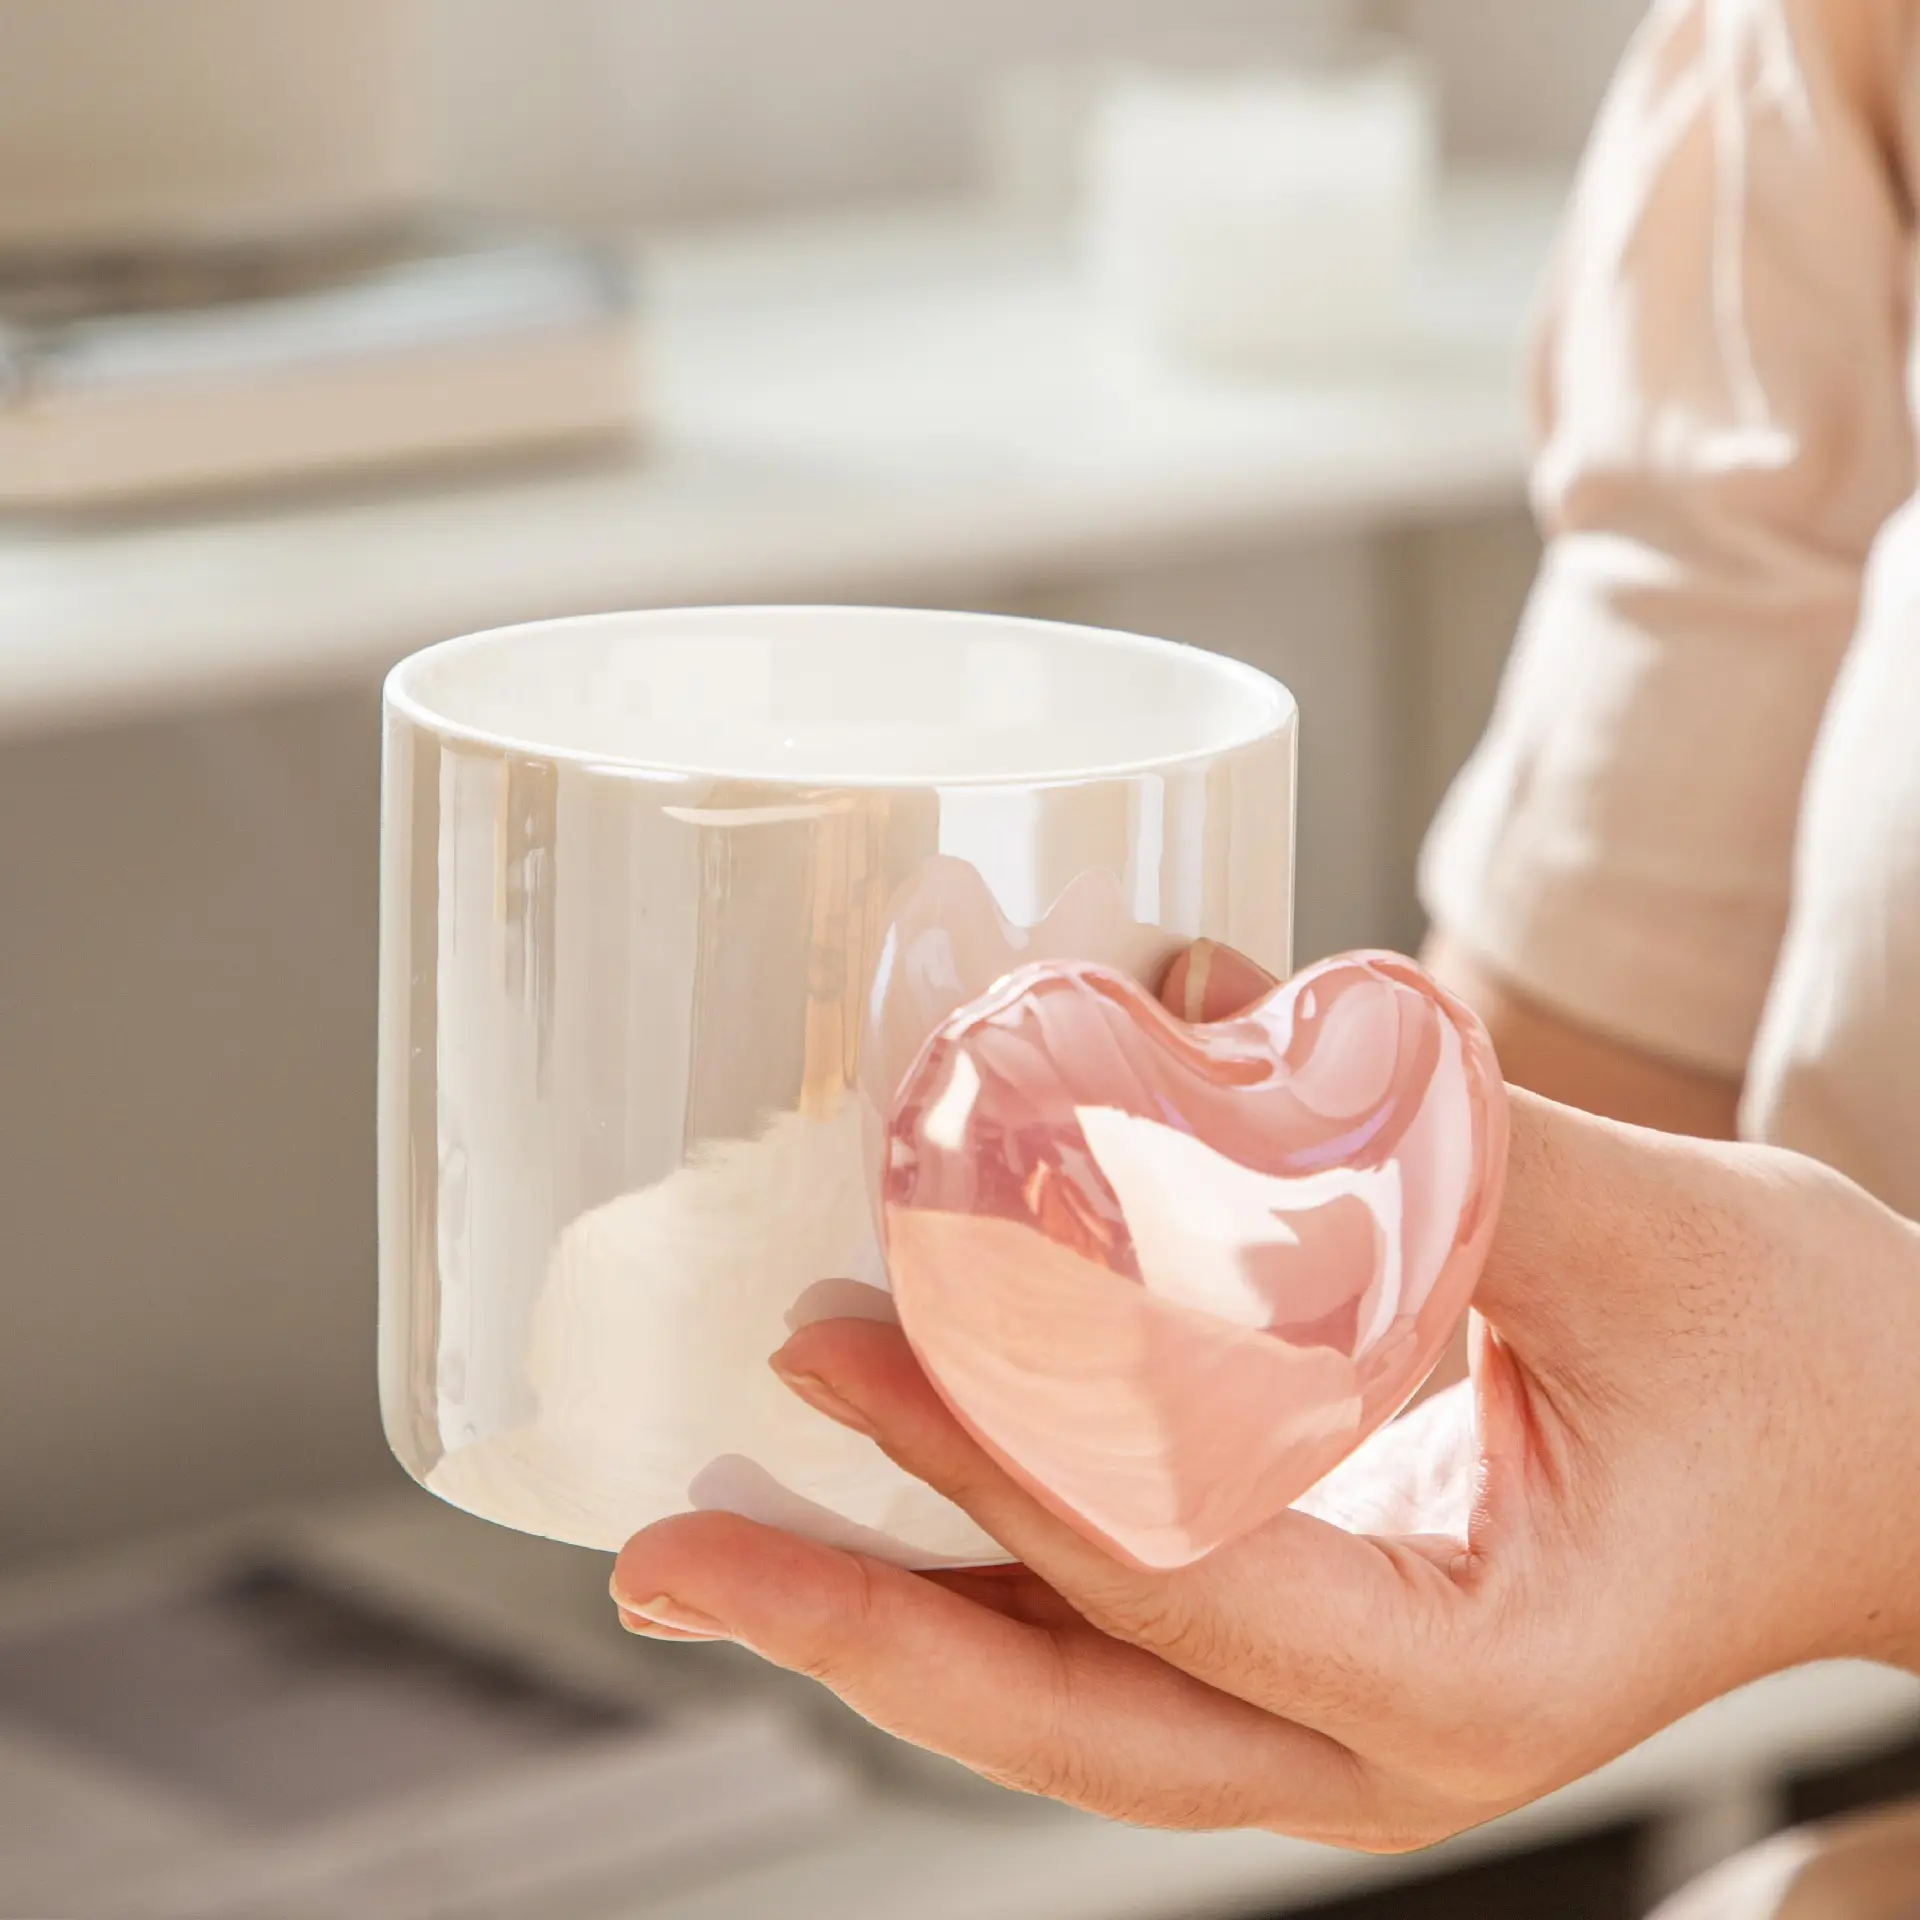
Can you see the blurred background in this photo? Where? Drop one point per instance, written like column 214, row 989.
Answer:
column 327, row 332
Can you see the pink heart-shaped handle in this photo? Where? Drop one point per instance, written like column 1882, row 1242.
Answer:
column 1169, row 1276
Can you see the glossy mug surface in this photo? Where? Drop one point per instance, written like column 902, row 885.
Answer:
column 670, row 904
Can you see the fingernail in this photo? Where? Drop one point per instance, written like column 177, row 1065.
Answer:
column 653, row 1630
column 823, row 1399
column 663, row 1610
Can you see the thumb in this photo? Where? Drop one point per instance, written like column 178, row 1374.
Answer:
column 1575, row 1284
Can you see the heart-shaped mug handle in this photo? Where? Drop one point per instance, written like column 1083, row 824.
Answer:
column 1169, row 1275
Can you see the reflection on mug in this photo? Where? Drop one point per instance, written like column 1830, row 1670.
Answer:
column 648, row 1360
column 651, row 1331
column 947, row 941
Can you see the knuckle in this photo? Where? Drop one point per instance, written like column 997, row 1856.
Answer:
column 1059, row 1763
column 1318, row 1676
column 1157, row 1616
column 1059, row 1770
column 1062, row 1773
column 820, row 1663
column 1072, row 1774
column 855, row 1621
column 1337, row 1687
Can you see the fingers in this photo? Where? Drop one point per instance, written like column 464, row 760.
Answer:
column 1212, row 982
column 1301, row 1618
column 1073, row 1716
column 876, row 1386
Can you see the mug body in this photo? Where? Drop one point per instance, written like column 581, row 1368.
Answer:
column 670, row 902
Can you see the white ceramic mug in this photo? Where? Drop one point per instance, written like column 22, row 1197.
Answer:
column 669, row 903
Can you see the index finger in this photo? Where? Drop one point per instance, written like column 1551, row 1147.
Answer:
column 1301, row 1618
column 1071, row 1715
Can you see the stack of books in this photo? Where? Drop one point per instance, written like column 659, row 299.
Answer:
column 136, row 373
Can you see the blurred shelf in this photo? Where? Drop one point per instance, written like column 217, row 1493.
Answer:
column 910, row 405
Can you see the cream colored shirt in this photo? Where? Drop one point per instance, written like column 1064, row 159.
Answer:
column 1694, row 822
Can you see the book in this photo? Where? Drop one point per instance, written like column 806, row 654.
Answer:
column 129, row 374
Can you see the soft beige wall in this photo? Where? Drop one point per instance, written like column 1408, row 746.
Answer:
column 186, row 1094
column 116, row 115
column 130, row 116
column 1521, row 77
column 614, row 108
column 666, row 108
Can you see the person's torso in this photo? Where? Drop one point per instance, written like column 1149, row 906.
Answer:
column 1836, row 1068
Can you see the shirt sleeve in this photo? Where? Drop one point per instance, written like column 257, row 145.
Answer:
column 1724, row 428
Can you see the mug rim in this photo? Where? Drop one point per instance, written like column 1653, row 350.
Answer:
column 1268, row 704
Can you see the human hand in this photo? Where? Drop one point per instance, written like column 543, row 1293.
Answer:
column 1685, row 1460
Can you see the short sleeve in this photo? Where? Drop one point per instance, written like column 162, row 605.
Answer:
column 1725, row 427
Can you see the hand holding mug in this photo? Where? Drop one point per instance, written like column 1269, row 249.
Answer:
column 1685, row 1460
